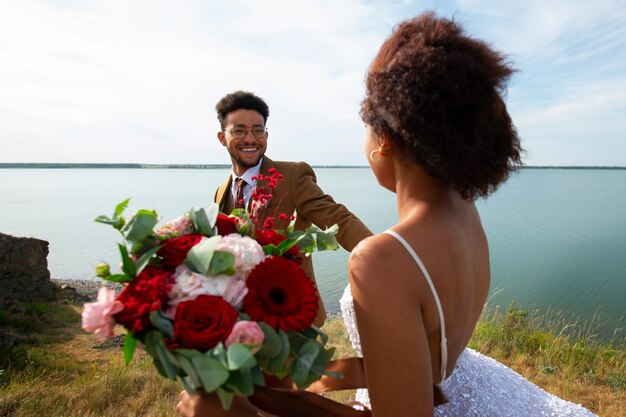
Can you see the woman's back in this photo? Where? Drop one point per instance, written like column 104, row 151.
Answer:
column 446, row 233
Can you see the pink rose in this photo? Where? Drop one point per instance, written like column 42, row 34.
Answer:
column 246, row 333
column 175, row 228
column 248, row 253
column 97, row 317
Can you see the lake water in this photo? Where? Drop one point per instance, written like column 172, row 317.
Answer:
column 557, row 237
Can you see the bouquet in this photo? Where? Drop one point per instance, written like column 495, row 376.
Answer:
column 217, row 300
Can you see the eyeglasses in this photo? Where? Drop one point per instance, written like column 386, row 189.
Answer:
column 240, row 132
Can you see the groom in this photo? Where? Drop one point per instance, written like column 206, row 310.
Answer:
column 242, row 116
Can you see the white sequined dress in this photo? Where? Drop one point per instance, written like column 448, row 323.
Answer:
column 479, row 386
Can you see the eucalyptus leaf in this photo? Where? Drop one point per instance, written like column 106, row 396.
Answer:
column 277, row 363
column 189, row 370
column 211, row 372
column 301, row 366
column 327, row 240
column 222, row 263
column 218, row 353
column 162, row 323
column 164, row 356
column 212, row 210
column 272, row 344
column 240, row 382
column 188, row 353
column 130, row 343
column 239, row 357
column 201, row 222
column 199, row 256
column 257, row 376
column 189, row 385
column 140, row 226
column 226, row 398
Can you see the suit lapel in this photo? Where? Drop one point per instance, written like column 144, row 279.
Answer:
column 222, row 193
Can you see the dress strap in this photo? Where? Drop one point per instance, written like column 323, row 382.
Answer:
column 444, row 342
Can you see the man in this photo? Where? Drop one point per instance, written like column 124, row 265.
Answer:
column 243, row 116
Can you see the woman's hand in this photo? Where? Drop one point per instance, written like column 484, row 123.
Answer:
column 353, row 376
column 202, row 404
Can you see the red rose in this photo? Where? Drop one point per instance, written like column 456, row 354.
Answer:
column 174, row 251
column 143, row 295
column 281, row 295
column 226, row 224
column 269, row 236
column 203, row 322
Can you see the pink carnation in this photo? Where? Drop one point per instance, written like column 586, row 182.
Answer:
column 246, row 333
column 97, row 317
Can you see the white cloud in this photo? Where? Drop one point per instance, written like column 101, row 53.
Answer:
column 119, row 81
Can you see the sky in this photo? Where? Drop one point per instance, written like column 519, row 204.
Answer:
column 136, row 81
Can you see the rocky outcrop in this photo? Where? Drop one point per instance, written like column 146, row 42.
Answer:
column 24, row 274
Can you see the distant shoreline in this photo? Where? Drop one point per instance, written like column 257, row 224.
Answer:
column 61, row 165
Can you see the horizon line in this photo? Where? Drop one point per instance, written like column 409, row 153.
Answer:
column 134, row 165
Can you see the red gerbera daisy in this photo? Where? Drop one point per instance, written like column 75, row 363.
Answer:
column 281, row 295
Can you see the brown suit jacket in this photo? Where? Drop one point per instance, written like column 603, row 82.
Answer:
column 299, row 191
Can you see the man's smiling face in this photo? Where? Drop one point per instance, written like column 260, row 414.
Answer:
column 247, row 151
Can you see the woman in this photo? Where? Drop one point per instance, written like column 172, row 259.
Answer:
column 438, row 136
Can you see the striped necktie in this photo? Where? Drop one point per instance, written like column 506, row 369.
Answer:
column 239, row 200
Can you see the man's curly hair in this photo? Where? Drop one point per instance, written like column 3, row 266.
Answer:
column 435, row 93
column 240, row 100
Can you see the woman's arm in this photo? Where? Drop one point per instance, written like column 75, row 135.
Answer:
column 353, row 377
column 396, row 355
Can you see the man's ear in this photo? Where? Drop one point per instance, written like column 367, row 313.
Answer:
column 221, row 137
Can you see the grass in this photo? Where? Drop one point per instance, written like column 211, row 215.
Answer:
column 57, row 370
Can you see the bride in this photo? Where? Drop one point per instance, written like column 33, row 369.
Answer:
column 439, row 137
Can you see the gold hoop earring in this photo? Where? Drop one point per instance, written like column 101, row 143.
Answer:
column 374, row 152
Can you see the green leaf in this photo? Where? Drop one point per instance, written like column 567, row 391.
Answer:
column 164, row 355
column 218, row 353
column 121, row 278
column 222, row 263
column 257, row 376
column 130, row 343
column 103, row 270
column 272, row 344
column 189, row 370
column 201, row 222
column 145, row 259
column 116, row 223
column 211, row 373
column 119, row 209
column 140, row 226
column 326, row 240
column 226, row 398
column 162, row 323
column 212, row 211
column 288, row 243
column 128, row 265
column 277, row 363
column 292, row 223
column 240, row 382
column 189, row 385
column 199, row 256
column 188, row 353
column 301, row 366
column 239, row 356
